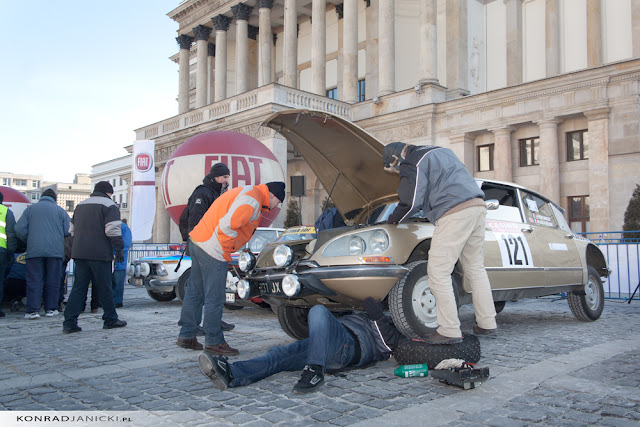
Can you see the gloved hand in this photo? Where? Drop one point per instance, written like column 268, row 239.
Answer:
column 373, row 308
column 119, row 257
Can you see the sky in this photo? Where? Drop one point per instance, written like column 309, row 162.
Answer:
column 78, row 77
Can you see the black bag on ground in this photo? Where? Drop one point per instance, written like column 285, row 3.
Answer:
column 413, row 352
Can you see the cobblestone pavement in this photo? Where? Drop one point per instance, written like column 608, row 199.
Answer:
column 546, row 367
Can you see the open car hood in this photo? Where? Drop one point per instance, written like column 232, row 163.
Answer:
column 345, row 158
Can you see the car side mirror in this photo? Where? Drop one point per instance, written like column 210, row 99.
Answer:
column 492, row 204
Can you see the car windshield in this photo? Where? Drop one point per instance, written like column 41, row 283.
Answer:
column 260, row 239
column 382, row 214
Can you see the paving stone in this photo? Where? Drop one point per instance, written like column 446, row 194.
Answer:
column 279, row 416
column 325, row 415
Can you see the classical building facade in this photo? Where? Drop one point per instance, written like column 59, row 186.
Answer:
column 543, row 93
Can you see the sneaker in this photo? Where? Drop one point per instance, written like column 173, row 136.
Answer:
column 221, row 349
column 51, row 313
column 71, row 330
column 116, row 324
column 31, row 316
column 437, row 338
column 226, row 327
column 217, row 369
column 312, row 378
column 481, row 331
column 189, row 343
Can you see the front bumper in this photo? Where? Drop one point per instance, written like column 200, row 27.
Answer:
column 154, row 284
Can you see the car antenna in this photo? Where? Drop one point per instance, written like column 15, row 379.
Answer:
column 331, row 192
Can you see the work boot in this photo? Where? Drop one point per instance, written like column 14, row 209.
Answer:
column 221, row 349
column 117, row 324
column 312, row 378
column 481, row 331
column 189, row 343
column 216, row 368
column 71, row 329
column 226, row 327
column 437, row 338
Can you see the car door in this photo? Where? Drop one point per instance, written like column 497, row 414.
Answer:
column 559, row 253
column 511, row 260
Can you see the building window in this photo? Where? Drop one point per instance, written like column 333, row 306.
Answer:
column 297, row 186
column 361, row 90
column 121, row 183
column 34, row 196
column 529, row 149
column 579, row 214
column 20, row 182
column 332, row 93
column 114, row 182
column 70, row 205
column 6, row 181
column 577, row 145
column 35, row 184
column 485, row 158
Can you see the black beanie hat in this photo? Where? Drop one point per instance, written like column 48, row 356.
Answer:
column 103, row 187
column 49, row 192
column 219, row 169
column 277, row 189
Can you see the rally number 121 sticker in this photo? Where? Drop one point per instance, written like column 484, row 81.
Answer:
column 514, row 247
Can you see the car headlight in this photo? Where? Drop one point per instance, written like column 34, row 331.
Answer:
column 160, row 270
column 290, row 285
column 231, row 282
column 243, row 289
column 379, row 242
column 357, row 245
column 246, row 261
column 145, row 270
column 136, row 270
column 282, row 255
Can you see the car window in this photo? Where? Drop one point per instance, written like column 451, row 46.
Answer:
column 508, row 199
column 260, row 239
column 386, row 210
column 562, row 223
column 537, row 210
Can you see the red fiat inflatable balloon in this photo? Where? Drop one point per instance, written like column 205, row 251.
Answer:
column 14, row 200
column 249, row 161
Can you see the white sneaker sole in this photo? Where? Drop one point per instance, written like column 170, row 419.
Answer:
column 207, row 368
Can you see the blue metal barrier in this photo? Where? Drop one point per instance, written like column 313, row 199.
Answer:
column 622, row 254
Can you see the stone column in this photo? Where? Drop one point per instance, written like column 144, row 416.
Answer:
column 594, row 34
column 386, row 55
column 340, row 59
column 265, row 38
column 242, row 12
column 548, row 159
column 319, row 47
column 202, row 36
column 211, row 51
column 635, row 28
column 428, row 42
column 514, row 42
column 598, row 127
column 350, row 51
column 221, row 25
column 184, row 42
column 502, row 168
column 371, row 76
column 457, row 55
column 462, row 146
column 552, row 37
column 290, row 47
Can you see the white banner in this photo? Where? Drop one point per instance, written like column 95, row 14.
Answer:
column 143, row 201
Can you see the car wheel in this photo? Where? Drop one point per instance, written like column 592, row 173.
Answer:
column 293, row 321
column 587, row 305
column 233, row 307
column 161, row 296
column 412, row 305
column 499, row 305
column 181, row 288
column 410, row 352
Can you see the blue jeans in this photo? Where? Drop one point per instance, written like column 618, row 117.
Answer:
column 99, row 273
column 207, row 285
column 42, row 273
column 117, row 285
column 329, row 345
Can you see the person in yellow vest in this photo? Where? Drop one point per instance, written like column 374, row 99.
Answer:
column 8, row 243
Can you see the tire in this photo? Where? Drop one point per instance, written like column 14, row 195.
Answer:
column 412, row 305
column 233, row 307
column 181, row 287
column 410, row 352
column 162, row 296
column 587, row 305
column 499, row 305
column 293, row 321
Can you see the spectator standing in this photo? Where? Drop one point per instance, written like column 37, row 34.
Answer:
column 120, row 268
column 43, row 227
column 8, row 243
column 96, row 233
column 213, row 185
column 435, row 180
column 225, row 227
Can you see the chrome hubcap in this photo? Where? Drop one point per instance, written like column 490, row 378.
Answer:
column 592, row 296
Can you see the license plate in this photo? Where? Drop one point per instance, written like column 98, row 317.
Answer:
column 136, row 281
column 231, row 297
column 271, row 288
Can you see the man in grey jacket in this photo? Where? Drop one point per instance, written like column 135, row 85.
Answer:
column 43, row 227
column 434, row 180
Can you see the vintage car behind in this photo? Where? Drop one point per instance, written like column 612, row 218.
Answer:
column 530, row 250
column 163, row 283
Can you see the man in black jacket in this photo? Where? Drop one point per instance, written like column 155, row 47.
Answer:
column 95, row 227
column 213, row 185
column 353, row 340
